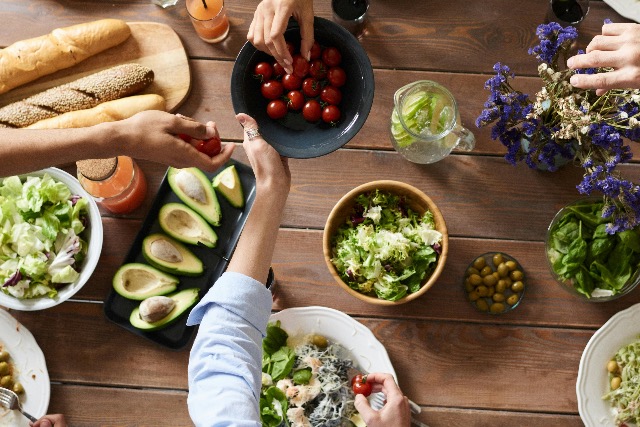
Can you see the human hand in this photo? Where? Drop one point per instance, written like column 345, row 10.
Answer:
column 271, row 170
column 270, row 20
column 395, row 412
column 54, row 420
column 153, row 135
column 619, row 48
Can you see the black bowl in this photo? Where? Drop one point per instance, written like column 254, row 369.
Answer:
column 293, row 136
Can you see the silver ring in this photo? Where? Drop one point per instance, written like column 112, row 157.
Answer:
column 252, row 133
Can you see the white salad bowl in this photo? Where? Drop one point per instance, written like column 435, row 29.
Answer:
column 93, row 236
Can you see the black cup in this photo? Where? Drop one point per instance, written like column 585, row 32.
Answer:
column 351, row 14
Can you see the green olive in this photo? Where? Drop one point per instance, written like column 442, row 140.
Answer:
column 475, row 279
column 612, row 366
column 492, row 290
column 489, row 280
column 497, row 307
column 468, row 286
column 486, row 271
column 517, row 286
column 503, row 270
column 508, row 281
column 501, row 286
column 513, row 299
column 498, row 259
column 474, row 296
column 472, row 270
column 496, row 275
column 18, row 389
column 319, row 341
column 4, row 356
column 482, row 290
column 516, row 275
column 498, row 297
column 6, row 381
column 482, row 305
column 511, row 265
column 479, row 263
column 615, row 383
column 4, row 368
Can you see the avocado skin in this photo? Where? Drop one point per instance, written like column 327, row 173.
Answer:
column 190, row 265
column 210, row 212
column 161, row 290
column 184, row 299
column 204, row 225
column 235, row 195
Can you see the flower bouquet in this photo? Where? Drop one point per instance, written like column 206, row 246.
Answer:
column 565, row 123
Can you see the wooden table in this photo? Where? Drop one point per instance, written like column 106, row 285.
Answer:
column 462, row 367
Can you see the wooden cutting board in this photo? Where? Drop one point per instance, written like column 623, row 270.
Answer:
column 151, row 44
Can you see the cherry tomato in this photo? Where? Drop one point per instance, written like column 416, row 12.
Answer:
column 291, row 48
column 311, row 87
column 331, row 114
column 278, row 70
column 291, row 82
column 300, row 66
column 211, row 147
column 263, row 71
column 296, row 100
column 185, row 138
column 312, row 111
column 359, row 385
column 331, row 56
column 317, row 69
column 337, row 77
column 331, row 95
column 277, row 109
column 272, row 89
column 316, row 51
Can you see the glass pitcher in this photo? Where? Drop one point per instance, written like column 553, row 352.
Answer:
column 425, row 123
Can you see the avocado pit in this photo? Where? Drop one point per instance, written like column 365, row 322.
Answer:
column 191, row 186
column 165, row 251
column 156, row 308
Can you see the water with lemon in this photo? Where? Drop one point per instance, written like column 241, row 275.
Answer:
column 425, row 136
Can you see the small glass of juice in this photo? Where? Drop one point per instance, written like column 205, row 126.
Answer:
column 209, row 19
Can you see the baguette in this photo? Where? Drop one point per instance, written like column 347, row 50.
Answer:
column 29, row 59
column 87, row 92
column 110, row 111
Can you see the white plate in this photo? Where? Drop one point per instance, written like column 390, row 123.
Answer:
column 630, row 9
column 593, row 381
column 367, row 352
column 94, row 238
column 32, row 371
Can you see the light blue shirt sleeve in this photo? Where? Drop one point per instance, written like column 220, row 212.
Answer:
column 225, row 364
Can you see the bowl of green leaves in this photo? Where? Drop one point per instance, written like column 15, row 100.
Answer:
column 586, row 258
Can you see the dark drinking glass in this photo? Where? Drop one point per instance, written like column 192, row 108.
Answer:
column 567, row 12
column 351, row 14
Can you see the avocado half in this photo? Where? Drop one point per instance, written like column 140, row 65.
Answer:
column 184, row 299
column 228, row 184
column 140, row 281
column 186, row 225
column 169, row 255
column 192, row 186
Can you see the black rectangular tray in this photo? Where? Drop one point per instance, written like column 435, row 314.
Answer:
column 177, row 335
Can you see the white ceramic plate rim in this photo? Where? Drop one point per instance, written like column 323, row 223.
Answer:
column 592, row 383
column 368, row 353
column 30, row 363
column 630, row 9
column 95, row 247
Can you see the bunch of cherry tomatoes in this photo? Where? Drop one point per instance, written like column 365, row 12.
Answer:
column 313, row 87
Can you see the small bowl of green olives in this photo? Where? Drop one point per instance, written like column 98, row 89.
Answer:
column 494, row 283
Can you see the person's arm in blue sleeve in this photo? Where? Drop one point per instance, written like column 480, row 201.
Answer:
column 226, row 359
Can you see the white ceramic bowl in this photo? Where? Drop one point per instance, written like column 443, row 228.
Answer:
column 93, row 236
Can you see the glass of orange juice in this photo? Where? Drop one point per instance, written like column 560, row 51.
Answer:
column 209, row 19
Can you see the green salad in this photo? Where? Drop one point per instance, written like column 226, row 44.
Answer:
column 624, row 380
column 583, row 253
column 41, row 225
column 384, row 248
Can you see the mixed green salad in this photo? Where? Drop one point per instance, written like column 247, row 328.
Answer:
column 624, row 377
column 305, row 384
column 583, row 253
column 41, row 225
column 384, row 248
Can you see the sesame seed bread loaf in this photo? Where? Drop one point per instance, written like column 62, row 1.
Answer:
column 29, row 59
column 110, row 111
column 87, row 92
